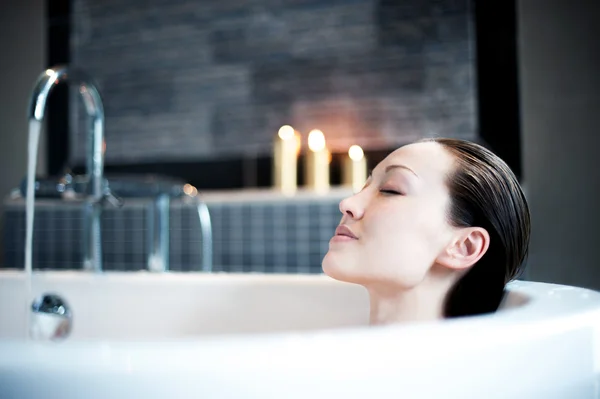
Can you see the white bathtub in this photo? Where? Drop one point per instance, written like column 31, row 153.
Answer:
column 286, row 336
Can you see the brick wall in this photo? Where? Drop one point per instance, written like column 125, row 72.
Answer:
column 192, row 80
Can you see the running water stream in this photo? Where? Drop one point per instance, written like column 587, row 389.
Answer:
column 35, row 127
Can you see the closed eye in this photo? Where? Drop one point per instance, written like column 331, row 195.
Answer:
column 391, row 192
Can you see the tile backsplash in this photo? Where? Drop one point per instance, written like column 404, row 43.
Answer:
column 270, row 236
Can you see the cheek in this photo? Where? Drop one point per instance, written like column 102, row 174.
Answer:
column 404, row 243
column 428, row 220
column 412, row 220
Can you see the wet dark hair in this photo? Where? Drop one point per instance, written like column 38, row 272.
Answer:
column 485, row 193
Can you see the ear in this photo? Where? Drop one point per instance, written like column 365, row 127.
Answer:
column 465, row 249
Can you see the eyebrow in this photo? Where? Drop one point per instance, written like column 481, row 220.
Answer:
column 399, row 166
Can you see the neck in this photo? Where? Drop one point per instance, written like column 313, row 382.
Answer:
column 391, row 305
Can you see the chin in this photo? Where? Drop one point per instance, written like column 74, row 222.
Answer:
column 337, row 268
column 329, row 265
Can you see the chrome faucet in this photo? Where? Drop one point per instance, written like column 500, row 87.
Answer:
column 97, row 192
column 97, row 189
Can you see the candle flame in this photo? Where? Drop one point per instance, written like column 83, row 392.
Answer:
column 286, row 132
column 356, row 153
column 316, row 140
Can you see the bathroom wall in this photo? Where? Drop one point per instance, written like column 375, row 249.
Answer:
column 189, row 80
column 560, row 97
column 22, row 35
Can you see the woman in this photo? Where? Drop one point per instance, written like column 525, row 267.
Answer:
column 438, row 230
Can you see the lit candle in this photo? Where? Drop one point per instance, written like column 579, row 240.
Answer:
column 285, row 160
column 354, row 169
column 317, row 162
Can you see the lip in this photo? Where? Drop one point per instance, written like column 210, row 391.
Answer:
column 345, row 232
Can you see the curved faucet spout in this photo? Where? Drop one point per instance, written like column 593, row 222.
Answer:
column 95, row 148
column 93, row 107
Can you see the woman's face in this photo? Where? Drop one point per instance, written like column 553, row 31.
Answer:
column 395, row 228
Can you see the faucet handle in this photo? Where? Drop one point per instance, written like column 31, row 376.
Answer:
column 113, row 199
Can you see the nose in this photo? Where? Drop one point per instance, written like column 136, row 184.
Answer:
column 351, row 206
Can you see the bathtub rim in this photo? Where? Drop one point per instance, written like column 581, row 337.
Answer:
column 523, row 306
column 536, row 301
column 575, row 309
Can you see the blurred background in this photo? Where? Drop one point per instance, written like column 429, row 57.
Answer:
column 196, row 91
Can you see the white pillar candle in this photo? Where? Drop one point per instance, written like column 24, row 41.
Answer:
column 354, row 169
column 317, row 162
column 285, row 160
